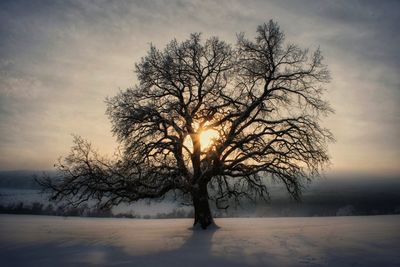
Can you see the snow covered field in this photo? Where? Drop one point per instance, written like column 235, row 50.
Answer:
column 328, row 241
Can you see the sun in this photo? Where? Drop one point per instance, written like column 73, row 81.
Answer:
column 207, row 138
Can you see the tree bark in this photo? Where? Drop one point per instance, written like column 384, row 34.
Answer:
column 202, row 212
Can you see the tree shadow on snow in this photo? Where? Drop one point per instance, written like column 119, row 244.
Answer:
column 195, row 251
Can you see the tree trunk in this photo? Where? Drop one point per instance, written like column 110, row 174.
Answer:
column 202, row 212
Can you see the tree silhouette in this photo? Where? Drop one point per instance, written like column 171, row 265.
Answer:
column 208, row 120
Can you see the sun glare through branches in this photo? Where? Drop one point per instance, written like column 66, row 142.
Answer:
column 207, row 138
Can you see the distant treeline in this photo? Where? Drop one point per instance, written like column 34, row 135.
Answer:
column 277, row 210
column 37, row 208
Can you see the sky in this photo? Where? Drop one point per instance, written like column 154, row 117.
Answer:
column 59, row 60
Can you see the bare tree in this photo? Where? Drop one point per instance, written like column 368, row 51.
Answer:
column 208, row 116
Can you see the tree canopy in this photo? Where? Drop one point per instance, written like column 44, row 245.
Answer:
column 209, row 120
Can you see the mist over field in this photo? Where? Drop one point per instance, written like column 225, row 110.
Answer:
column 334, row 195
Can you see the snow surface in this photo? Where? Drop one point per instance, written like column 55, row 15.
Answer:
column 27, row 240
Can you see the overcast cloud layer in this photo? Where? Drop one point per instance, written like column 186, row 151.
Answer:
column 60, row 59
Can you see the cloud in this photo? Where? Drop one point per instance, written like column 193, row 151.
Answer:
column 60, row 59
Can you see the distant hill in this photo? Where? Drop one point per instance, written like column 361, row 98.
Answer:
column 21, row 179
